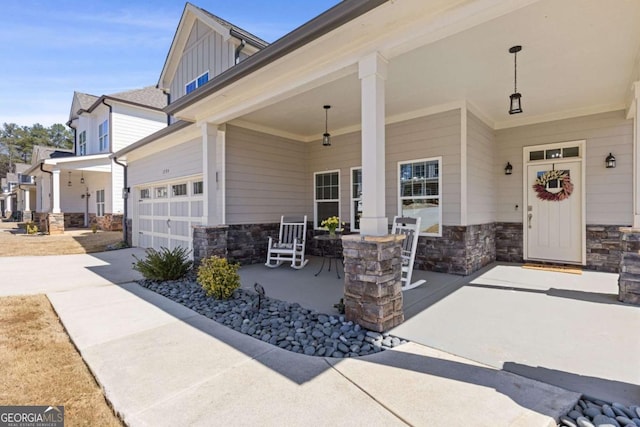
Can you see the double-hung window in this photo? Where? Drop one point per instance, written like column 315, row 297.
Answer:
column 356, row 198
column 103, row 136
column 196, row 83
column 100, row 203
column 327, row 196
column 82, row 143
column 420, row 193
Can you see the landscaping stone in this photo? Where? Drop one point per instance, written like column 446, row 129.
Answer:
column 592, row 412
column 279, row 323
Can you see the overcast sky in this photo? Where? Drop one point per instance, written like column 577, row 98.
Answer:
column 48, row 48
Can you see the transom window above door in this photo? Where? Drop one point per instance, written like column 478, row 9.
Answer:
column 554, row 153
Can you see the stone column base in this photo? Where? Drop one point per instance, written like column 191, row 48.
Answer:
column 629, row 278
column 209, row 241
column 55, row 223
column 372, row 284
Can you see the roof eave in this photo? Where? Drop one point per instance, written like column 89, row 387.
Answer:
column 328, row 21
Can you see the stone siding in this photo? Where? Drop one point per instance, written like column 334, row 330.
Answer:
column 40, row 218
column 604, row 251
column 73, row 220
column 209, row 241
column 55, row 223
column 461, row 250
column 372, row 286
column 509, row 242
column 629, row 279
column 247, row 243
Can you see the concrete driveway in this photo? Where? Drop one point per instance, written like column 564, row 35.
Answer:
column 564, row 329
column 44, row 274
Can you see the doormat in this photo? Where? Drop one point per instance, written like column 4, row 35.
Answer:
column 557, row 268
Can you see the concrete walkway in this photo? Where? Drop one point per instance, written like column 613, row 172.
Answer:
column 162, row 364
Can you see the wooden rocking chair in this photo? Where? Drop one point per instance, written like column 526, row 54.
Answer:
column 410, row 228
column 289, row 246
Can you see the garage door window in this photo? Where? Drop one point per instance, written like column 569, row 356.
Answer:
column 198, row 187
column 178, row 190
column 161, row 192
column 145, row 193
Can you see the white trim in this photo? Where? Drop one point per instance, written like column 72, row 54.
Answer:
column 399, row 205
column 315, row 200
column 463, row 167
column 352, row 213
column 562, row 115
column 582, row 159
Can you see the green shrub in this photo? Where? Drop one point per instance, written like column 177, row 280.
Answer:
column 164, row 264
column 31, row 228
column 218, row 278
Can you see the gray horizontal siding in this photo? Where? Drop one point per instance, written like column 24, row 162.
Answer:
column 481, row 172
column 182, row 160
column 609, row 192
column 265, row 178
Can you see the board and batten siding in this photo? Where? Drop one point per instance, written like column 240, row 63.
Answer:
column 130, row 124
column 481, row 172
column 266, row 177
column 609, row 192
column 424, row 137
column 183, row 160
column 206, row 50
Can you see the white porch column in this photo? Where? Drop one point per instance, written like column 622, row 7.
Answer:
column 27, row 202
column 635, row 113
column 372, row 71
column 55, row 190
column 213, row 143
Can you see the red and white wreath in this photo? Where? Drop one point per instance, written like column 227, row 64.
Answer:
column 566, row 187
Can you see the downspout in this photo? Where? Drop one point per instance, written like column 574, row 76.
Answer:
column 126, row 201
column 238, row 50
column 168, row 95
column 50, row 187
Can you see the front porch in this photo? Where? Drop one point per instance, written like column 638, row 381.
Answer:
column 543, row 325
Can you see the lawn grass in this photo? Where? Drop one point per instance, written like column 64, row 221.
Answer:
column 40, row 365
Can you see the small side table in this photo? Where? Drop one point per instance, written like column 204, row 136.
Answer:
column 329, row 248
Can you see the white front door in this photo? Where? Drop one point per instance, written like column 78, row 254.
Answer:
column 553, row 216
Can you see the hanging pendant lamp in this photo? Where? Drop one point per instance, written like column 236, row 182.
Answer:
column 326, row 136
column 515, row 104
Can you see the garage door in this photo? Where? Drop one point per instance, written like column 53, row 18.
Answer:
column 167, row 212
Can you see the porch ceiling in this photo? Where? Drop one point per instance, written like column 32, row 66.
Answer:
column 578, row 57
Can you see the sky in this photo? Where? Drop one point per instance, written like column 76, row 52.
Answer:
column 51, row 48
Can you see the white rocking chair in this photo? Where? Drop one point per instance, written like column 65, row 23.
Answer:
column 289, row 246
column 410, row 228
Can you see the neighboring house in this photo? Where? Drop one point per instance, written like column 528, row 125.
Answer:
column 419, row 94
column 13, row 199
column 84, row 186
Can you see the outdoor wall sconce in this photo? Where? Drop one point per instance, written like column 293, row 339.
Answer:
column 508, row 170
column 81, row 177
column 515, row 105
column 69, row 182
column 326, row 136
column 610, row 161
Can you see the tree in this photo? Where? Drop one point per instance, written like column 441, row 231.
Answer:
column 17, row 142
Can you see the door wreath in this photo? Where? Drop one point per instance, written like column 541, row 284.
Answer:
column 564, row 181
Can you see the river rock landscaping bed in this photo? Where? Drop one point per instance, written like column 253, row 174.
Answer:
column 592, row 412
column 280, row 323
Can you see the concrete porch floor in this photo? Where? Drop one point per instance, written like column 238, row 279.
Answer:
column 564, row 329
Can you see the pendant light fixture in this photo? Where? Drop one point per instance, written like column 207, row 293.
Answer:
column 81, row 177
column 326, row 136
column 69, row 182
column 515, row 105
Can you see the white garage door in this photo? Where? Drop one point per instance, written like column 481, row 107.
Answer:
column 167, row 212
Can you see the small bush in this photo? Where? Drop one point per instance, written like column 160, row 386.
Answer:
column 164, row 264
column 94, row 228
column 31, row 228
column 218, row 278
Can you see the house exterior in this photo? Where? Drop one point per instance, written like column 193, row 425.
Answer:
column 419, row 124
column 83, row 187
column 14, row 196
